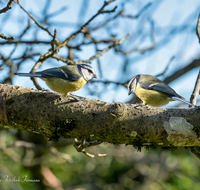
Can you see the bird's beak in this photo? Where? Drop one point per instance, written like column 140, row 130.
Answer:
column 95, row 76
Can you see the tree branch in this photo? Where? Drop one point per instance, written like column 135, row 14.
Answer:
column 195, row 93
column 36, row 22
column 55, row 116
column 6, row 37
column 8, row 6
column 180, row 72
column 197, row 28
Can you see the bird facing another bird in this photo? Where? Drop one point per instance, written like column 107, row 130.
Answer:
column 152, row 91
column 65, row 79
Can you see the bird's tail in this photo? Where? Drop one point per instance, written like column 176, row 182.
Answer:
column 29, row 74
column 182, row 100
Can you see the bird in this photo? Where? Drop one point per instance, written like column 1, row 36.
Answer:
column 152, row 91
column 65, row 79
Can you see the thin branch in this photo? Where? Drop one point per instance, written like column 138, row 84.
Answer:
column 8, row 6
column 57, row 12
column 106, row 22
column 25, row 42
column 98, row 62
column 109, row 82
column 53, row 42
column 82, row 29
column 77, row 47
column 65, row 60
column 6, row 37
column 83, row 11
column 71, row 62
column 36, row 22
column 143, row 50
column 195, row 93
column 103, row 51
column 139, row 13
column 180, row 72
column 166, row 68
column 197, row 28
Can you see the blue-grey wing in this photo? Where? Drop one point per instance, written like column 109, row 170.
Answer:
column 161, row 87
column 59, row 73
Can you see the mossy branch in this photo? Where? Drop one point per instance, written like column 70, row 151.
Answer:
column 55, row 115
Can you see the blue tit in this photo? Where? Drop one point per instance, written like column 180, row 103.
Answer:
column 65, row 79
column 152, row 91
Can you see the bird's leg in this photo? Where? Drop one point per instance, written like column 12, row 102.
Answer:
column 75, row 97
column 136, row 105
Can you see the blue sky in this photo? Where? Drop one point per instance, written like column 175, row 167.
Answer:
column 169, row 14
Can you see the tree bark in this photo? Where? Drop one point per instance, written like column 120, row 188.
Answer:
column 55, row 115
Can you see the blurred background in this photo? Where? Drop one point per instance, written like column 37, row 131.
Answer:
column 162, row 42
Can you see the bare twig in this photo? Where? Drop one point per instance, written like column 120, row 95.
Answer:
column 195, row 93
column 8, row 6
column 77, row 47
column 98, row 62
column 106, row 22
column 53, row 42
column 166, row 68
column 197, row 28
column 65, row 60
column 25, row 42
column 139, row 13
column 57, row 12
column 82, row 29
column 142, row 50
column 195, row 151
column 180, row 72
column 33, row 70
column 83, row 11
column 103, row 51
column 109, row 82
column 36, row 22
column 6, row 37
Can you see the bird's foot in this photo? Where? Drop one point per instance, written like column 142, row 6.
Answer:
column 136, row 105
column 77, row 99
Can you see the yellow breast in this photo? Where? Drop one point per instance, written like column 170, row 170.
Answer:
column 63, row 86
column 152, row 97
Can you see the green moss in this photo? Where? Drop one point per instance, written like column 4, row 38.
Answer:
column 10, row 101
column 197, row 130
column 61, row 128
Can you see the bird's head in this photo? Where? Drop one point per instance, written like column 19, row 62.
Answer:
column 86, row 71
